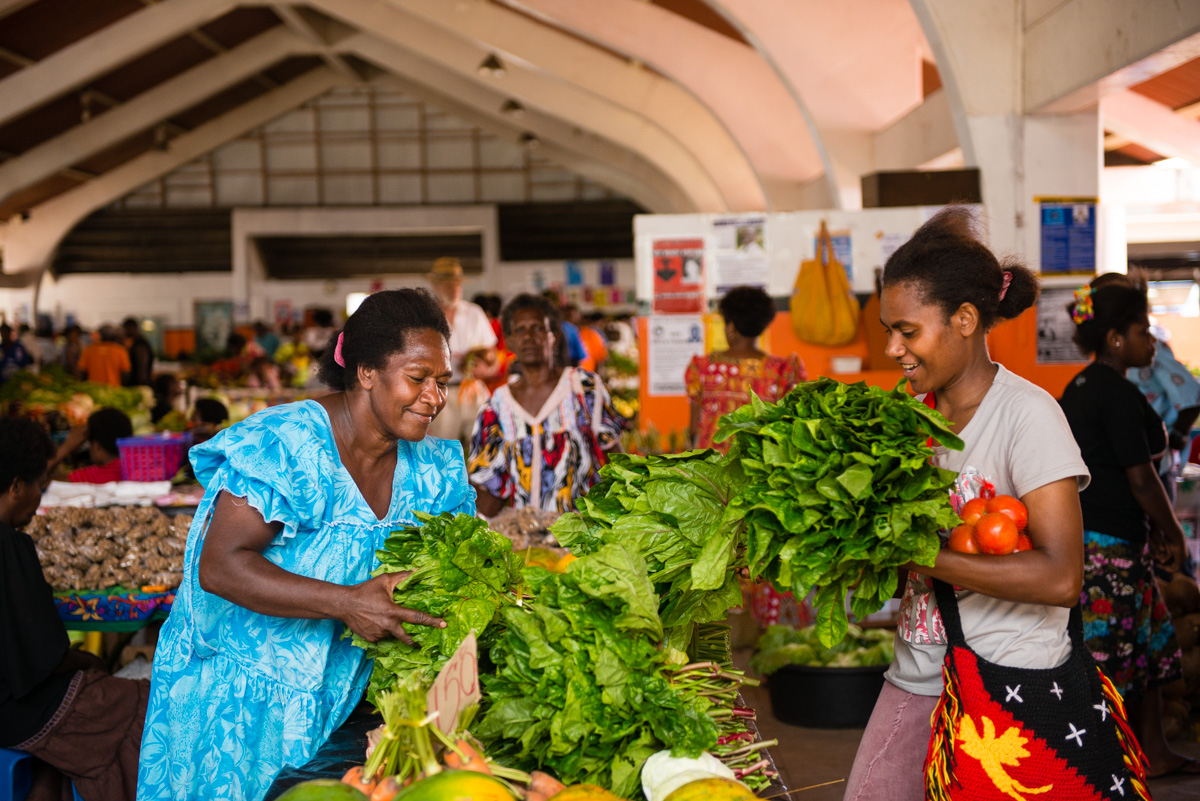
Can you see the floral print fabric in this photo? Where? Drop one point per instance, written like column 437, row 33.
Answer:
column 719, row 386
column 1125, row 622
column 236, row 696
column 548, row 459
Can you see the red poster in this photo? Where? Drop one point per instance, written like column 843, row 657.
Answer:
column 678, row 276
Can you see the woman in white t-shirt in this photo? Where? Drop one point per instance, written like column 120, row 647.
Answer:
column 942, row 291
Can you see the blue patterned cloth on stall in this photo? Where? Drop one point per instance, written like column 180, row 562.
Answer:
column 237, row 696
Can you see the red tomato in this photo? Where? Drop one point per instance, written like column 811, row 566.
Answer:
column 962, row 539
column 1024, row 543
column 996, row 534
column 973, row 510
column 1010, row 506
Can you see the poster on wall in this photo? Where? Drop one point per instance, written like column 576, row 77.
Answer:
column 1055, row 327
column 678, row 276
column 1068, row 235
column 740, row 253
column 214, row 324
column 281, row 312
column 674, row 339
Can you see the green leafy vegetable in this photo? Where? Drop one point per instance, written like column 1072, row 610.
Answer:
column 461, row 572
column 839, row 491
column 581, row 687
column 784, row 645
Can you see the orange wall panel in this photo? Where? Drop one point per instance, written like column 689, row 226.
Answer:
column 1013, row 344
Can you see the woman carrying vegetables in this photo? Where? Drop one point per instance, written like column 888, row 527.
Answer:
column 252, row 672
column 1128, row 518
column 942, row 291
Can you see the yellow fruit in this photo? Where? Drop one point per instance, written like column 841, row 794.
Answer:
column 566, row 560
column 456, row 785
column 584, row 792
column 712, row 790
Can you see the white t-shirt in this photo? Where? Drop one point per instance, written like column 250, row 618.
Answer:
column 469, row 330
column 1017, row 441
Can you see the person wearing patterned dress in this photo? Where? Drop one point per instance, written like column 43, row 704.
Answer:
column 542, row 438
column 253, row 671
column 719, row 382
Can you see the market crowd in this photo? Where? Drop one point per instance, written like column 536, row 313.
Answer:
column 432, row 403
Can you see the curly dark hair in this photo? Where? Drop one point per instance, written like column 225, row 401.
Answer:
column 25, row 450
column 950, row 266
column 378, row 329
column 106, row 426
column 548, row 309
column 749, row 308
column 1115, row 307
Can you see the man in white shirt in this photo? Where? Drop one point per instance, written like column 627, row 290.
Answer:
column 472, row 352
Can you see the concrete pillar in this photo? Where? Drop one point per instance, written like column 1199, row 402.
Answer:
column 980, row 55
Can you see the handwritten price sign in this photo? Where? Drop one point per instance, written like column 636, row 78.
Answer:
column 456, row 687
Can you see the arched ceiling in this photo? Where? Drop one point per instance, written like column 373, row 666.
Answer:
column 684, row 105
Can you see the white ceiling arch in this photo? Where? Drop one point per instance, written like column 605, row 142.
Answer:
column 727, row 76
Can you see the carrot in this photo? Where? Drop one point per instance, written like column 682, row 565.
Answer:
column 464, row 756
column 355, row 778
column 542, row 787
column 386, row 789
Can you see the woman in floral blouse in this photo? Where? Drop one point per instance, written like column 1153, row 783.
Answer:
column 722, row 381
column 542, row 438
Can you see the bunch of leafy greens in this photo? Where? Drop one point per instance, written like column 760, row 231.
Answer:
column 582, row 689
column 839, row 492
column 461, row 572
column 785, row 645
column 672, row 510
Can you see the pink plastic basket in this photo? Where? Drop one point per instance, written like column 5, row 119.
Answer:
column 154, row 458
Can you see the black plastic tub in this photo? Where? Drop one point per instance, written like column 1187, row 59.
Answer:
column 825, row 697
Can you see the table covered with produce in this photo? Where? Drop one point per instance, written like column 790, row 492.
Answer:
column 605, row 673
column 111, row 569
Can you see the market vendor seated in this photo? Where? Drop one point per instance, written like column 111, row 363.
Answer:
column 57, row 703
column 104, row 427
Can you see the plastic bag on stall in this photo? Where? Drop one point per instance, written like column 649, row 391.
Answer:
column 824, row 310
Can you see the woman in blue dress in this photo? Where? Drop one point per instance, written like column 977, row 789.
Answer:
column 252, row 673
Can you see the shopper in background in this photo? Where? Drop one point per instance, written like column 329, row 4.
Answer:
column 104, row 427
column 266, row 339
column 594, row 341
column 106, row 361
column 13, row 355
column 721, row 381
column 209, row 416
column 317, row 336
column 472, row 352
column 576, row 352
column 541, row 439
column 72, row 348
column 167, row 391
column 57, row 703
column 1128, row 519
column 252, row 672
column 942, row 292
column 44, row 341
column 492, row 306
column 141, row 354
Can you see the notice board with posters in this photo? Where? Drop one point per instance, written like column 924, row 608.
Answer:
column 678, row 276
column 1068, row 235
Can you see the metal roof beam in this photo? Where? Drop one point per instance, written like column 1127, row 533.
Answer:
column 94, row 55
column 147, row 109
column 30, row 244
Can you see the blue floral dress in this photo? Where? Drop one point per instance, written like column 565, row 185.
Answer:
column 237, row 696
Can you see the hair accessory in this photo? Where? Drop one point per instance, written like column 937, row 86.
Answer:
column 1083, row 311
column 1004, row 286
column 337, row 351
